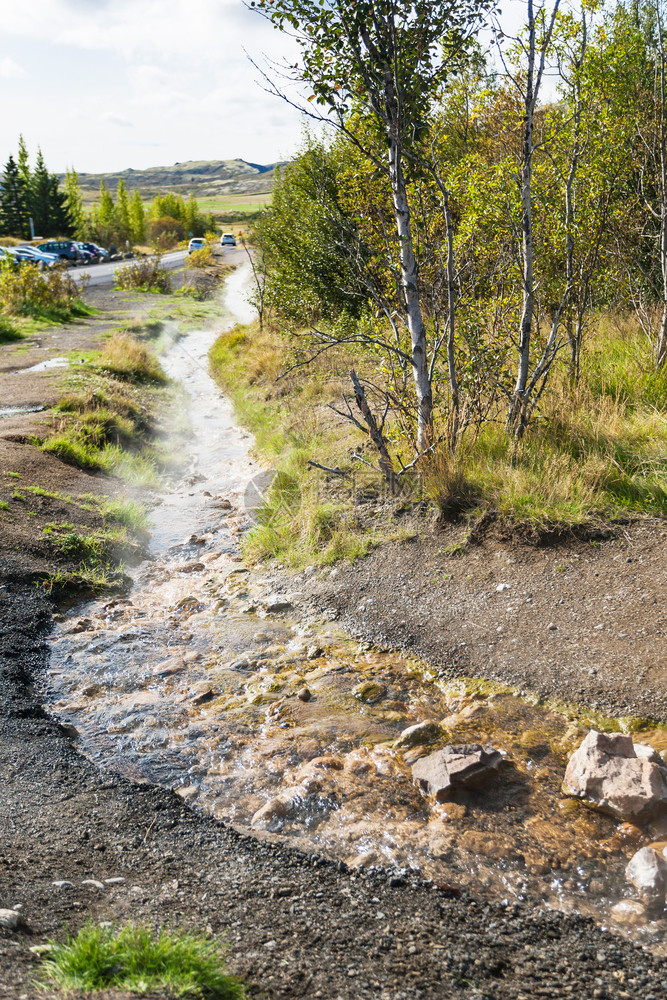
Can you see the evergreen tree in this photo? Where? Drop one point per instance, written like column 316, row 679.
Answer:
column 39, row 197
column 74, row 205
column 23, row 162
column 106, row 215
column 60, row 221
column 123, row 228
column 137, row 218
column 13, row 207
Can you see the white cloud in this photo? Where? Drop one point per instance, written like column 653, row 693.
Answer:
column 10, row 70
column 114, row 119
column 175, row 70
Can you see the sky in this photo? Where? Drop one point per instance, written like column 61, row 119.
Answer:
column 102, row 85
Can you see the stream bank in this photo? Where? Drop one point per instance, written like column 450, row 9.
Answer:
column 299, row 926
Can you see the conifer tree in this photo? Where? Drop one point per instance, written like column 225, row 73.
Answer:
column 106, row 214
column 123, row 228
column 74, row 205
column 39, row 197
column 137, row 218
column 13, row 207
column 23, row 162
column 60, row 221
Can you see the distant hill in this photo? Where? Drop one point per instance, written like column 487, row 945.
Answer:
column 202, row 178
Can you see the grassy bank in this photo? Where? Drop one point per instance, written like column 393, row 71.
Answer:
column 595, row 453
column 105, row 421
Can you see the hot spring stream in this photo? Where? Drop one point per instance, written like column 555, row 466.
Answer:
column 205, row 680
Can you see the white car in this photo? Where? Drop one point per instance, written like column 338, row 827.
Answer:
column 227, row 240
column 198, row 243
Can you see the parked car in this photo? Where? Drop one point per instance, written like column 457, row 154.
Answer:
column 198, row 243
column 43, row 260
column 99, row 253
column 227, row 240
column 64, row 249
column 26, row 255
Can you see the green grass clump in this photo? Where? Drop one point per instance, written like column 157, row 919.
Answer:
column 69, row 448
column 136, row 959
column 9, row 331
column 99, row 548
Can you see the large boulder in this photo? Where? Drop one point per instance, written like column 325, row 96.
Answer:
column 647, row 871
column 607, row 773
column 453, row 767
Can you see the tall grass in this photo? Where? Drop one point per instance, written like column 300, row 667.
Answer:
column 594, row 451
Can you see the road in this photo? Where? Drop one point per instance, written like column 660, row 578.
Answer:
column 102, row 275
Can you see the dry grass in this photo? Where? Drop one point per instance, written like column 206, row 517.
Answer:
column 127, row 358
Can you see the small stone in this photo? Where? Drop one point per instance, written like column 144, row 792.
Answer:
column 93, row 882
column 272, row 812
column 369, row 692
column 629, row 913
column 64, row 884
column 501, row 587
column 11, row 919
column 116, row 880
column 276, row 605
column 314, row 652
column 552, row 627
column 270, row 945
column 201, row 693
column 419, row 735
column 646, row 752
column 304, row 694
column 187, row 792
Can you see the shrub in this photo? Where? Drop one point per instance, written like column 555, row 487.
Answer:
column 200, row 258
column 136, row 959
column 8, row 331
column 25, row 291
column 166, row 231
column 145, row 275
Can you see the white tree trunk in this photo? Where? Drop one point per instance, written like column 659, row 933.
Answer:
column 410, row 285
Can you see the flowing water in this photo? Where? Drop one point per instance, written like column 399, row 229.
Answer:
column 206, row 680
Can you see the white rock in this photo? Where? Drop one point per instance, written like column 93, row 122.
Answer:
column 629, row 913
column 647, row 871
column 607, row 773
column 63, row 884
column 11, row 919
column 501, row 587
column 117, row 880
column 93, row 882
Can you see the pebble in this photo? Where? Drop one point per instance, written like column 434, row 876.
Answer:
column 117, row 880
column 64, row 884
column 501, row 587
column 93, row 882
column 304, row 694
column 11, row 919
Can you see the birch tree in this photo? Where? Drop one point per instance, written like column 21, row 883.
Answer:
column 389, row 59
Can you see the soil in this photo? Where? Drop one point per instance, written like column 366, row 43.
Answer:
column 299, row 925
column 580, row 618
